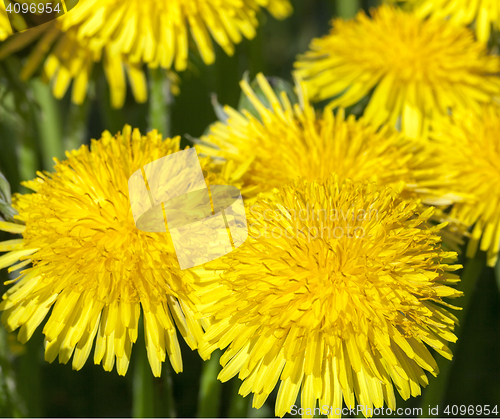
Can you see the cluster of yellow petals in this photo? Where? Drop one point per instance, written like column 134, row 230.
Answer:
column 92, row 266
column 413, row 68
column 125, row 34
column 337, row 317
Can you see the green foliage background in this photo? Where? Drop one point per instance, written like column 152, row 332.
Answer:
column 35, row 127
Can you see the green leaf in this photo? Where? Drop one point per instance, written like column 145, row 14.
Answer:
column 4, row 189
column 6, row 208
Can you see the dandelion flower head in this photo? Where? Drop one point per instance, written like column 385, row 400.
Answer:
column 339, row 303
column 92, row 266
column 281, row 142
column 413, row 68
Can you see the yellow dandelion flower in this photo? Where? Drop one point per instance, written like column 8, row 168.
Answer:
column 474, row 161
column 285, row 142
column 414, row 68
column 484, row 13
column 336, row 293
column 92, row 266
column 5, row 27
column 71, row 60
column 125, row 34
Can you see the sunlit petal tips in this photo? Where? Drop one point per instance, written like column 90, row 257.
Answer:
column 92, row 267
column 412, row 67
column 337, row 293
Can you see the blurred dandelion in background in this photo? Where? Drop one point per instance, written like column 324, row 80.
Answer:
column 126, row 34
column 485, row 15
column 413, row 68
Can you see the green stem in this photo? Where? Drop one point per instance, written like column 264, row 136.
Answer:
column 435, row 393
column 21, row 123
column 30, row 376
column 238, row 407
column 167, row 394
column 49, row 124
column 227, row 76
column 76, row 128
column 143, row 396
column 256, row 51
column 347, row 9
column 160, row 99
column 210, row 388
